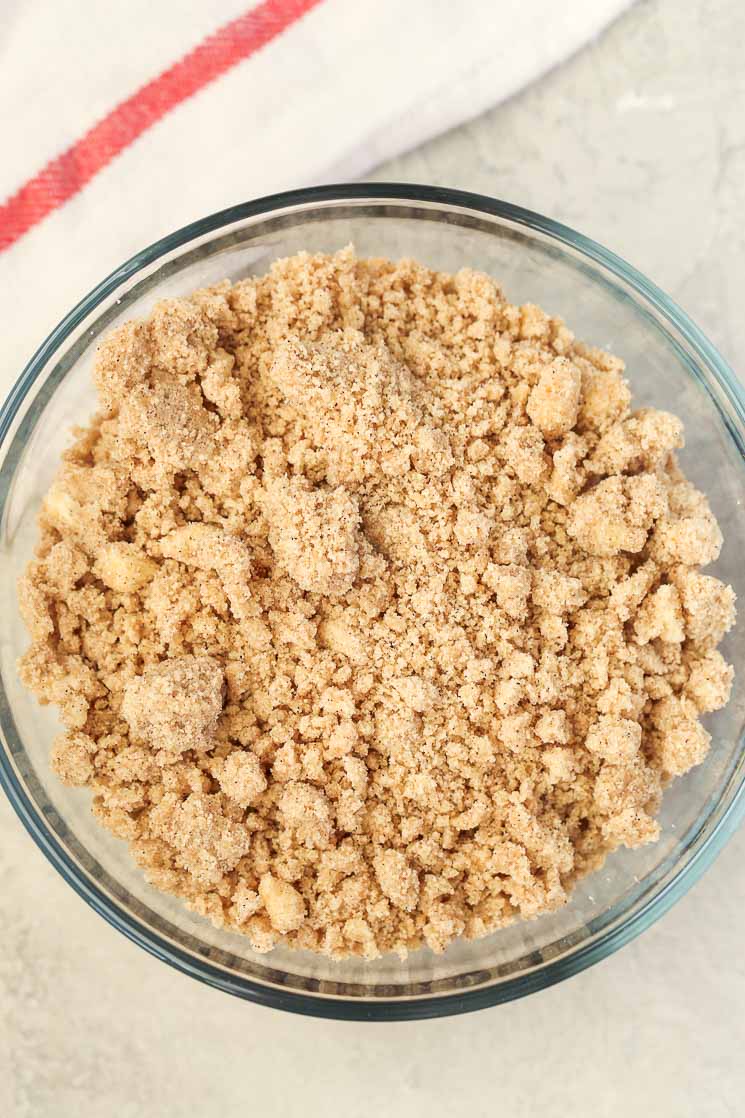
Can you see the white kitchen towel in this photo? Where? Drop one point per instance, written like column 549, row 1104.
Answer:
column 124, row 120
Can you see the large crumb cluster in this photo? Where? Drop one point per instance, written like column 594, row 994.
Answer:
column 373, row 612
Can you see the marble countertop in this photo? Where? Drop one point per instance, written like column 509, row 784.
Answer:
column 638, row 141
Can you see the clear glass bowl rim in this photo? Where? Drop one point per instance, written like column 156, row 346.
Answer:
column 395, row 1008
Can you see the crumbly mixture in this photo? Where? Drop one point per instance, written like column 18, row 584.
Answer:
column 373, row 612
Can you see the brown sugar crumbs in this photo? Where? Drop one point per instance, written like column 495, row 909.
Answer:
column 373, row 613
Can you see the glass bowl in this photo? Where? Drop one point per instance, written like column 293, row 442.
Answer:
column 670, row 364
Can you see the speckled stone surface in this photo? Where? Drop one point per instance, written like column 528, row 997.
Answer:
column 640, row 142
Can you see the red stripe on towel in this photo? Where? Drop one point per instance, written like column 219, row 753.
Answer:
column 69, row 172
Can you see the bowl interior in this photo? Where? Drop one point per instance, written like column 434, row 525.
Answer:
column 664, row 368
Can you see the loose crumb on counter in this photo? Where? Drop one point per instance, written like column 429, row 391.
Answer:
column 371, row 609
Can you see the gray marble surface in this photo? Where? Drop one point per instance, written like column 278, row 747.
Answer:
column 640, row 142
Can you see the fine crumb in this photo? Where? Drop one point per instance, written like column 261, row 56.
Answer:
column 373, row 613
column 242, row 777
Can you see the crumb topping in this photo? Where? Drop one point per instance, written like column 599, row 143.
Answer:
column 373, row 612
